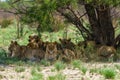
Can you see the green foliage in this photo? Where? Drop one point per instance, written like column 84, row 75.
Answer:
column 19, row 69
column 108, row 73
column 83, row 69
column 76, row 64
column 57, row 77
column 37, row 76
column 5, row 23
column 59, row 65
column 45, row 62
column 3, row 53
column 4, row 5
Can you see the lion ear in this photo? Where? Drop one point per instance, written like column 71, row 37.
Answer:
column 60, row 40
column 11, row 41
column 29, row 37
column 15, row 42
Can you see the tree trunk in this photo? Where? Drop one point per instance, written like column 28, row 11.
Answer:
column 95, row 27
column 106, row 26
column 101, row 24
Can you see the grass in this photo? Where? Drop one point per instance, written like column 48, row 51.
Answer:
column 19, row 69
column 36, row 75
column 117, row 66
column 45, row 62
column 76, row 64
column 1, row 77
column 2, row 69
column 58, row 76
column 108, row 73
column 59, row 65
column 94, row 70
column 83, row 69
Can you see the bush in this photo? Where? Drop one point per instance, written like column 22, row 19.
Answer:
column 45, row 62
column 76, row 64
column 108, row 73
column 59, row 66
column 5, row 23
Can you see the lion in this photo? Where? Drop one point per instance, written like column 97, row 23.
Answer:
column 106, row 51
column 67, row 44
column 51, row 52
column 33, row 38
column 33, row 41
column 15, row 49
column 24, row 52
column 34, row 54
column 66, row 55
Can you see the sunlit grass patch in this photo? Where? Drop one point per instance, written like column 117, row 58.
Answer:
column 76, row 64
column 108, row 73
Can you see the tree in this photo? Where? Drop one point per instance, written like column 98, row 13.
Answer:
column 100, row 28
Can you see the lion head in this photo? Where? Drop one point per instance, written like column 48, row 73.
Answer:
column 106, row 51
column 14, row 49
column 51, row 51
column 66, row 43
column 33, row 38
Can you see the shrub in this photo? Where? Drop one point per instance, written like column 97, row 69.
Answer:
column 59, row 65
column 76, row 63
column 83, row 69
column 45, row 62
column 108, row 73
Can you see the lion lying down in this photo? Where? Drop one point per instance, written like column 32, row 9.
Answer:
column 24, row 52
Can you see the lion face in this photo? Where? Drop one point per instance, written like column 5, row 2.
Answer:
column 106, row 51
column 14, row 49
column 33, row 38
column 51, row 52
column 66, row 43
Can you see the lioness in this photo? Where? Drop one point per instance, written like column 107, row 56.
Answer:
column 23, row 52
column 67, row 44
column 67, row 55
column 16, row 50
column 106, row 52
column 51, row 52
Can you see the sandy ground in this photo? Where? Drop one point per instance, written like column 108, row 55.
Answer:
column 8, row 72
